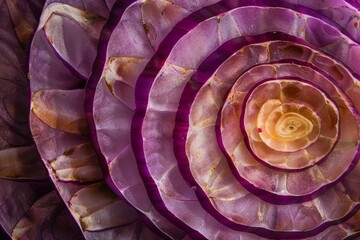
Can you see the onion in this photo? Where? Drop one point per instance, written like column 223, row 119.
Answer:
column 206, row 119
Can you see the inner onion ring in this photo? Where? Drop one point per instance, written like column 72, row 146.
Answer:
column 285, row 121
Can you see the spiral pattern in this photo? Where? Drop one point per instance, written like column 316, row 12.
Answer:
column 212, row 119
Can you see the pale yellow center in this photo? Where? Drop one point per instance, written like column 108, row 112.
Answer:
column 287, row 127
column 292, row 126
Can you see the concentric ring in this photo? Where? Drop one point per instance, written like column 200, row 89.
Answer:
column 205, row 118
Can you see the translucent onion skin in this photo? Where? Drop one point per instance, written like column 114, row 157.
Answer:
column 169, row 119
column 167, row 82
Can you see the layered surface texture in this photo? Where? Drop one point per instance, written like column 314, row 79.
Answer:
column 169, row 119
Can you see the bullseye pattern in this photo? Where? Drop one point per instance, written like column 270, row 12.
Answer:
column 282, row 124
column 211, row 121
column 284, row 127
column 239, row 115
